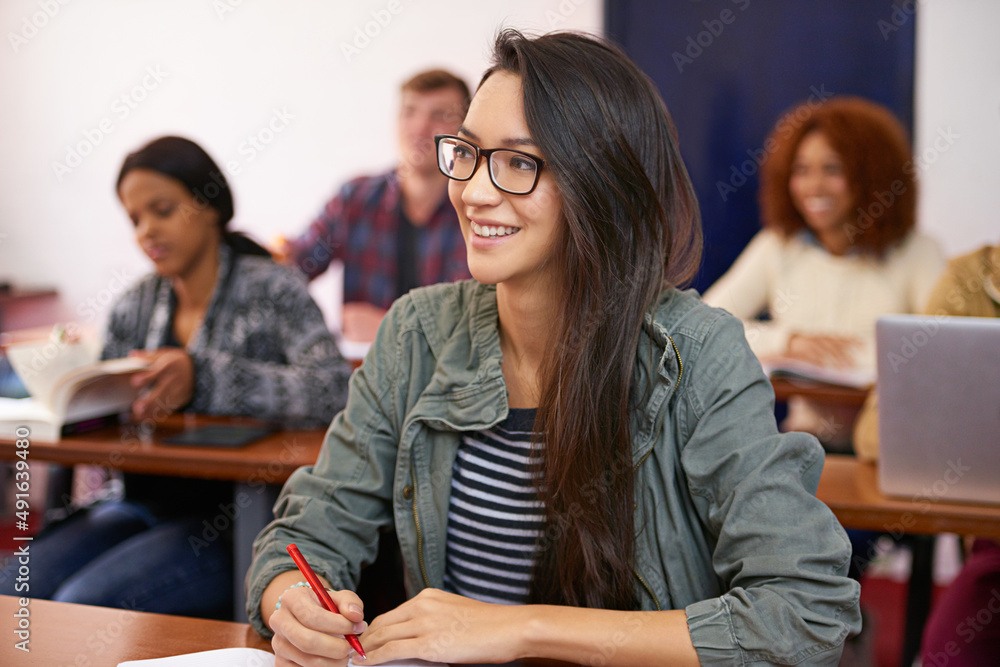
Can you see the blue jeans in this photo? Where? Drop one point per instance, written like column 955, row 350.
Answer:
column 10, row 384
column 119, row 554
column 863, row 550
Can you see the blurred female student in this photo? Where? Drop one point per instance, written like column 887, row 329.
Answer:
column 226, row 331
column 838, row 202
column 580, row 460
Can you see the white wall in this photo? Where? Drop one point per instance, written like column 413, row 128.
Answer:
column 116, row 73
column 957, row 133
column 223, row 67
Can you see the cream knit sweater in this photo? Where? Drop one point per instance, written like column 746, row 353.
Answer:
column 807, row 290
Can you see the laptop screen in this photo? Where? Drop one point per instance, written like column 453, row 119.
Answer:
column 939, row 407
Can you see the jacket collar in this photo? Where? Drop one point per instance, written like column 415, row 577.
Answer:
column 467, row 391
column 659, row 368
column 466, row 387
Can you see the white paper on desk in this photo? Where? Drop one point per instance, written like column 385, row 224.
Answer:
column 226, row 657
column 240, row 657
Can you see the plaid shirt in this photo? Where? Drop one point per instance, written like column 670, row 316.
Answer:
column 359, row 227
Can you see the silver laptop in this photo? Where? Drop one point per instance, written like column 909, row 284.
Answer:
column 939, row 407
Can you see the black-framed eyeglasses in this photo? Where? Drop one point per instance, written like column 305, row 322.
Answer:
column 514, row 172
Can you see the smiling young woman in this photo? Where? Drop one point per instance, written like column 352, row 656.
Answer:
column 579, row 459
column 822, row 193
column 510, row 238
column 839, row 248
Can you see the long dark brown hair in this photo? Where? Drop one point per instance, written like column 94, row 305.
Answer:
column 631, row 228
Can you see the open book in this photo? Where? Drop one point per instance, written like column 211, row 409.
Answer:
column 797, row 371
column 68, row 386
column 241, row 657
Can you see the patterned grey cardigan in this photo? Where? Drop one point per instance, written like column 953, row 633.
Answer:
column 262, row 350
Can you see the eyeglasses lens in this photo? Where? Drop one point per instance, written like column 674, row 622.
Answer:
column 509, row 170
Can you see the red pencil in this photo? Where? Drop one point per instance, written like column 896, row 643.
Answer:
column 320, row 590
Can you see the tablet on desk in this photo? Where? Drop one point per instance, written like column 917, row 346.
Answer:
column 219, row 436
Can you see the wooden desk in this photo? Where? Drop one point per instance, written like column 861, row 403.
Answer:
column 850, row 488
column 75, row 635
column 824, row 393
column 270, row 460
column 259, row 469
column 83, row 636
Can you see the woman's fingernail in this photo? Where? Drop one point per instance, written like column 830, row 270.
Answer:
column 355, row 609
column 360, row 627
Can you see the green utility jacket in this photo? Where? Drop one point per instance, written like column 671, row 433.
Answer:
column 728, row 527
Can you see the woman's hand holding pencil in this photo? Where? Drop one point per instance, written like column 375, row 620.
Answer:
column 324, row 597
column 304, row 629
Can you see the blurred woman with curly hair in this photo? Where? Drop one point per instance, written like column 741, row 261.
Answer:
column 838, row 249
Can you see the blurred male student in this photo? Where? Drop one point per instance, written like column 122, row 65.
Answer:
column 396, row 230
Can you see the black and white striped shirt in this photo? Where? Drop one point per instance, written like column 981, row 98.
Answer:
column 495, row 515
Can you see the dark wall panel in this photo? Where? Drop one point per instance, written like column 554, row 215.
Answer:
column 728, row 69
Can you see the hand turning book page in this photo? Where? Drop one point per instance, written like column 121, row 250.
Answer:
column 68, row 385
column 242, row 657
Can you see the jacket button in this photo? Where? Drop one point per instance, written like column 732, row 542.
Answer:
column 408, row 492
column 488, row 414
